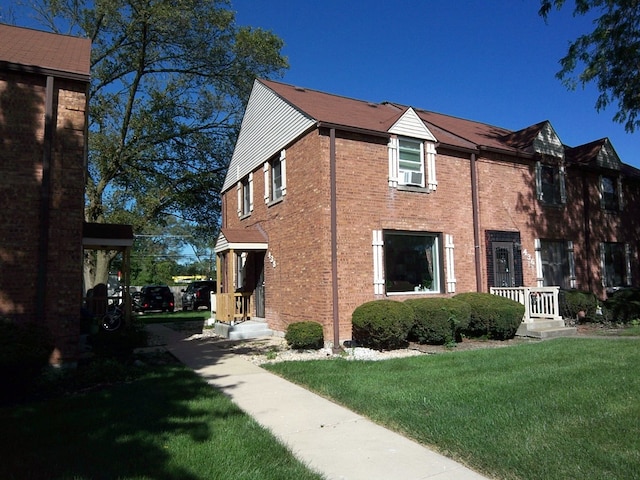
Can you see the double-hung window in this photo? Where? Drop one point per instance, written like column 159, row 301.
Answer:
column 275, row 178
column 616, row 266
column 410, row 162
column 557, row 263
column 245, row 196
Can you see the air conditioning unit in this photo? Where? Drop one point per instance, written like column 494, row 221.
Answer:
column 411, row 178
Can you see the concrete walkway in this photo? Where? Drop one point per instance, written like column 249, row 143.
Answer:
column 330, row 439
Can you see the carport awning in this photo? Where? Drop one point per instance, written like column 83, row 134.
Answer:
column 107, row 236
column 244, row 239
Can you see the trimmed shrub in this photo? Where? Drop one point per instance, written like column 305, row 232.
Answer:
column 578, row 305
column 382, row 324
column 624, row 305
column 438, row 321
column 491, row 315
column 24, row 353
column 305, row 335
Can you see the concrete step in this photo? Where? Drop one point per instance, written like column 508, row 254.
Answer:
column 552, row 332
column 243, row 331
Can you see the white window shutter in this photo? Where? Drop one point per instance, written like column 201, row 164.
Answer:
column 430, row 166
column 601, row 192
column 378, row 265
column 620, row 196
column 393, row 161
column 572, row 265
column 283, row 171
column 563, row 189
column 627, row 262
column 449, row 248
column 267, row 190
column 538, row 180
column 538, row 253
column 239, row 189
column 602, row 265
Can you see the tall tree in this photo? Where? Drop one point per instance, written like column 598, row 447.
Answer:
column 608, row 56
column 169, row 81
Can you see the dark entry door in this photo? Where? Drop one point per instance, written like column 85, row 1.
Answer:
column 503, row 271
column 260, row 311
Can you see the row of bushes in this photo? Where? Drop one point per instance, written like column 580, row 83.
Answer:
column 622, row 306
column 389, row 324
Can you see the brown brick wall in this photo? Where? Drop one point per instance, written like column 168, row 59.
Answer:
column 22, row 107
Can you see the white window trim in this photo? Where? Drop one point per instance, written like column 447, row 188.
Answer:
column 627, row 264
column 561, row 179
column 570, row 258
column 241, row 197
column 266, row 168
column 427, row 156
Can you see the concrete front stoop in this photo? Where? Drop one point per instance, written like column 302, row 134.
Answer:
column 244, row 330
column 549, row 328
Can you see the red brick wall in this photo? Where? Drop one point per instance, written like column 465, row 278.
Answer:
column 298, row 287
column 22, row 109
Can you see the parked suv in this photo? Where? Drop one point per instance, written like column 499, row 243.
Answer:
column 154, row 297
column 198, row 294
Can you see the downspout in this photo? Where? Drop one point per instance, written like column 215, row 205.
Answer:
column 45, row 190
column 475, row 205
column 586, row 212
column 334, row 239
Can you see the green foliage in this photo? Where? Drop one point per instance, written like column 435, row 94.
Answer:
column 605, row 55
column 624, row 306
column 578, row 304
column 24, row 352
column 491, row 315
column 169, row 85
column 439, row 321
column 382, row 324
column 305, row 335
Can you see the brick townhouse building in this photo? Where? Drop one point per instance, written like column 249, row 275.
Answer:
column 44, row 79
column 330, row 202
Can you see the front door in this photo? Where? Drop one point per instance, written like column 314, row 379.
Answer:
column 503, row 267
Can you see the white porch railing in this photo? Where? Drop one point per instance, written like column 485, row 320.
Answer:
column 539, row 302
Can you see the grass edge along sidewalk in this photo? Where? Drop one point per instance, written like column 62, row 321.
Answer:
column 167, row 424
column 564, row 408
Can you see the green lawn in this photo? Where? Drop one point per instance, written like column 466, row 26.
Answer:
column 566, row 408
column 166, row 424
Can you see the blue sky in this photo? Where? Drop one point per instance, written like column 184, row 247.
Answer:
column 493, row 61
column 490, row 61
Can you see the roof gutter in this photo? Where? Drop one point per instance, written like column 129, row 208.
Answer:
column 515, row 153
column 346, row 128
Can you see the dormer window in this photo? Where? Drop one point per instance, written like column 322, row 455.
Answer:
column 410, row 162
column 610, row 193
column 550, row 184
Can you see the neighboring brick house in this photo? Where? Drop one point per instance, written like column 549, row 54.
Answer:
column 330, row 202
column 44, row 79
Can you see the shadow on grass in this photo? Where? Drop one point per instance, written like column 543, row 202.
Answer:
column 123, row 431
